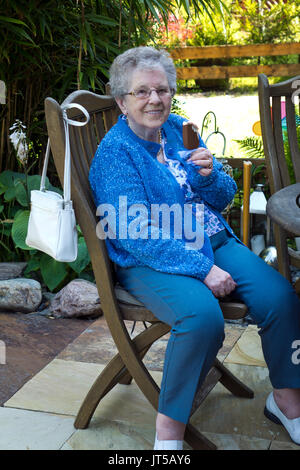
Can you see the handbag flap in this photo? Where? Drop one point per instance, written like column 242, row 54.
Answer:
column 46, row 199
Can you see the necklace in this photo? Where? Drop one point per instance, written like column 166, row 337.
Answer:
column 159, row 136
column 160, row 156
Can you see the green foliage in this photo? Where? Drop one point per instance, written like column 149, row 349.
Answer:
column 14, row 215
column 176, row 108
column 267, row 22
column 253, row 146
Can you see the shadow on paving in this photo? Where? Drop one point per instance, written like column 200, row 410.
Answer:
column 30, row 342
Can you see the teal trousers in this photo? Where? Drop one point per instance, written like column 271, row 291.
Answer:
column 197, row 324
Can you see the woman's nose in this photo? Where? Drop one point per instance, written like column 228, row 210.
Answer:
column 154, row 98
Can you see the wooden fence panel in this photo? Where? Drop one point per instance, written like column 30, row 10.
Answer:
column 229, row 52
column 231, row 71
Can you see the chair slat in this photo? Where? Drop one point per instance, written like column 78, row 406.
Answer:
column 278, row 137
column 292, row 137
column 99, row 126
column 77, row 158
column 108, row 120
column 88, row 149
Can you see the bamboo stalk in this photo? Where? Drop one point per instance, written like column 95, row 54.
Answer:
column 2, row 142
column 246, row 202
column 29, row 104
column 25, row 102
column 8, row 120
column 120, row 23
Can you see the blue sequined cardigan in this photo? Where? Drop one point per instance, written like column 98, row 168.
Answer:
column 126, row 165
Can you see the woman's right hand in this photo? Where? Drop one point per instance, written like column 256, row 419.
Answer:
column 219, row 282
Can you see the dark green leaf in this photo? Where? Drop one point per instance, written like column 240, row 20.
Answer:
column 53, row 272
column 83, row 257
column 19, row 230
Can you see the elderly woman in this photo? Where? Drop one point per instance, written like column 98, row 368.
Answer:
column 142, row 162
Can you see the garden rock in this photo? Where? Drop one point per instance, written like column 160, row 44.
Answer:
column 20, row 295
column 79, row 298
column 11, row 270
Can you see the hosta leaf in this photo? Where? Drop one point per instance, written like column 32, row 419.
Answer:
column 83, row 257
column 19, row 230
column 53, row 272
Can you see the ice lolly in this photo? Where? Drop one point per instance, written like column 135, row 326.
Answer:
column 190, row 136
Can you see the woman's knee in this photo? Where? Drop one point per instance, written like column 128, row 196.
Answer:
column 280, row 303
column 201, row 325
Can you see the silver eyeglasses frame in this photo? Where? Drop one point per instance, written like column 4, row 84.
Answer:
column 161, row 93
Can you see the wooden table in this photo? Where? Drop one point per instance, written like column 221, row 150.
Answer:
column 284, row 208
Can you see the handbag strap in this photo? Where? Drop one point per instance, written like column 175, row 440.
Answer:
column 67, row 167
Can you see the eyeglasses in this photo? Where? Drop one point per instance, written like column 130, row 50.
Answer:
column 145, row 93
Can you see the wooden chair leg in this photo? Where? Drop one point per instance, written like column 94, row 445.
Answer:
column 108, row 378
column 196, row 440
column 127, row 379
column 115, row 372
column 282, row 252
column 232, row 383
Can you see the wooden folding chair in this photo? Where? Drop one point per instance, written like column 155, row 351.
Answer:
column 117, row 304
column 272, row 100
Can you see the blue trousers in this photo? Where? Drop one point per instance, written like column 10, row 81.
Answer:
column 197, row 332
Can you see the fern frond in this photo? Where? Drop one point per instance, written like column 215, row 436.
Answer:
column 253, row 146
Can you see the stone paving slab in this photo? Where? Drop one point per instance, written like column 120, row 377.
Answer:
column 29, row 430
column 95, row 345
column 114, row 435
column 62, row 385
column 248, row 349
column 30, row 341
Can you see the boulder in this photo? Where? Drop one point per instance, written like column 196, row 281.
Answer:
column 11, row 270
column 79, row 298
column 20, row 295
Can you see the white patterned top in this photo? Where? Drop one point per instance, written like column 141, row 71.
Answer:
column 212, row 224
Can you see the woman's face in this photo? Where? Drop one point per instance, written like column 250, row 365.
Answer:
column 146, row 116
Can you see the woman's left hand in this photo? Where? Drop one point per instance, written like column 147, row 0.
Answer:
column 203, row 158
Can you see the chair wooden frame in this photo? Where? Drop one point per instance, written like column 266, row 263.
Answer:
column 127, row 364
column 270, row 97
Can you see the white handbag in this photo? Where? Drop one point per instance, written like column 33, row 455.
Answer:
column 52, row 224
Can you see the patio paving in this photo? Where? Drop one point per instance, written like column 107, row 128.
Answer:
column 40, row 415
column 31, row 341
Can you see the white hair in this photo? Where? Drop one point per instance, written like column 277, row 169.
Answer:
column 136, row 58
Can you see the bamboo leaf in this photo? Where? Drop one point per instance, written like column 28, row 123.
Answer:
column 103, row 20
column 5, row 19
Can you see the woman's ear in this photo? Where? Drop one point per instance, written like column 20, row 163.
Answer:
column 122, row 105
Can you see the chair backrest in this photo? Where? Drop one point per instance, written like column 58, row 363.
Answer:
column 276, row 102
column 83, row 144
